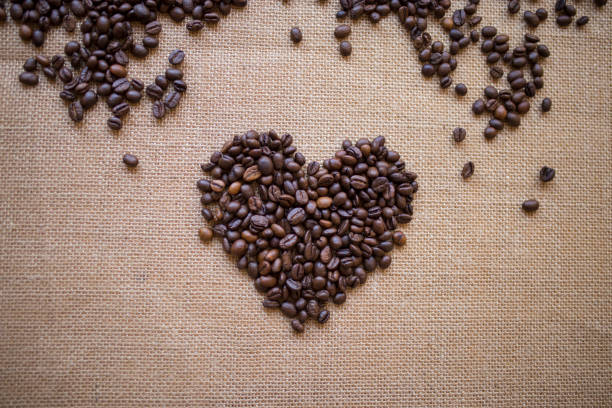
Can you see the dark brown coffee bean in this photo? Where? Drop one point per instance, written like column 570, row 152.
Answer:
column 75, row 111
column 342, row 31
column 530, row 205
column 547, row 174
column 65, row 74
column 564, row 20
column 297, row 326
column 133, row 96
column 459, row 134
column 514, row 6
column 172, row 99
column 176, row 57
column 490, row 132
column 468, row 170
column 153, row 91
column 28, row 78
column 531, row 18
column 496, row 72
column 173, row 74
column 211, row 18
column 179, row 86
column 140, row 51
column 546, row 104
column 582, row 21
column 195, row 25
column 460, row 89
column 488, row 31
column 114, row 123
column 478, row 107
column 150, row 42
column 130, row 160
column 323, row 316
column 121, row 109
column 345, row 48
column 30, row 64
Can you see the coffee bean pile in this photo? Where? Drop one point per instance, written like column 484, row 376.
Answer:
column 413, row 16
column 97, row 66
column 506, row 105
column 156, row 90
column 306, row 236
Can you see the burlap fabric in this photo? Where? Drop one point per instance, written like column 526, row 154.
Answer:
column 108, row 298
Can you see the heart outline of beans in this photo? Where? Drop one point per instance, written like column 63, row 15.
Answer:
column 306, row 235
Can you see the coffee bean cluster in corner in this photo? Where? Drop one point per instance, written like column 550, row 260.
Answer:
column 306, row 236
column 97, row 66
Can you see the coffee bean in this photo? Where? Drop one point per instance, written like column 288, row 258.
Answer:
column 49, row 73
column 514, row 6
column 345, row 48
column 460, row 89
column 130, row 160
column 342, row 31
column 153, row 28
column 496, row 72
column 75, row 111
column 28, row 78
column 530, row 205
column 490, row 132
column 488, row 31
column 176, row 57
column 195, row 25
column 179, row 86
column 547, row 174
column 542, row 14
column 121, row 109
column 531, row 18
column 295, row 34
column 478, row 107
column 323, row 316
column 173, row 74
column 468, row 170
column 582, row 21
column 172, row 99
column 546, row 104
column 459, row 134
column 564, row 20
column 154, row 91
column 114, row 122
column 297, row 326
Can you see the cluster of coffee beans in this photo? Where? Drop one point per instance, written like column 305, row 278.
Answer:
column 507, row 105
column 97, row 66
column 565, row 13
column 156, row 90
column 305, row 237
column 413, row 16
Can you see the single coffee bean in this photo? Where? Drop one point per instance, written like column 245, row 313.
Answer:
column 564, row 20
column 496, row 72
column 530, row 205
column 153, row 28
column 542, row 14
column 488, row 31
column 172, row 99
column 133, row 96
column 514, row 6
column 468, row 170
column 75, row 111
column 459, row 134
column 297, row 326
column 323, row 316
column 154, row 91
column 150, row 42
column 582, row 21
column 460, row 89
column 173, row 74
column 121, row 109
column 490, row 132
column 478, row 107
column 28, row 78
column 546, row 104
column 130, row 160
column 547, row 174
column 89, row 99
column 114, row 122
column 531, row 18
column 49, row 73
column 176, row 57
column 179, row 86
column 194, row 26
column 342, row 31
column 30, row 64
column 295, row 34
column 345, row 48
column 140, row 51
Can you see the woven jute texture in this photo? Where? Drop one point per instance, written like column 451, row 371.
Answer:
column 108, row 298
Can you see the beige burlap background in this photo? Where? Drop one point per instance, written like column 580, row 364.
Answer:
column 108, row 298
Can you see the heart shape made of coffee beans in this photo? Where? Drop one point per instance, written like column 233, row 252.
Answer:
column 306, row 236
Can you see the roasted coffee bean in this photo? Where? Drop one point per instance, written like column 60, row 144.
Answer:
column 345, row 48
column 172, row 99
column 342, row 31
column 459, row 134
column 582, row 21
column 179, row 86
column 496, row 72
column 531, row 18
column 530, row 205
column 154, row 91
column 173, row 74
column 49, row 73
column 514, row 6
column 121, row 109
column 460, row 89
column 547, row 174
column 542, row 14
column 114, row 122
column 490, row 132
column 564, row 20
column 468, row 170
column 130, row 160
column 30, row 64
column 28, row 78
column 295, row 34
column 546, row 104
column 478, row 107
column 75, row 111
column 176, row 57
column 153, row 28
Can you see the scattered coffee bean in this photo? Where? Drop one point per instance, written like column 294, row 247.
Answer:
column 547, row 174
column 546, row 104
column 459, row 134
column 345, row 48
column 176, row 57
column 530, row 205
column 342, row 31
column 28, row 78
column 582, row 21
column 114, row 122
column 295, row 34
column 468, row 170
column 461, row 89
column 130, row 160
